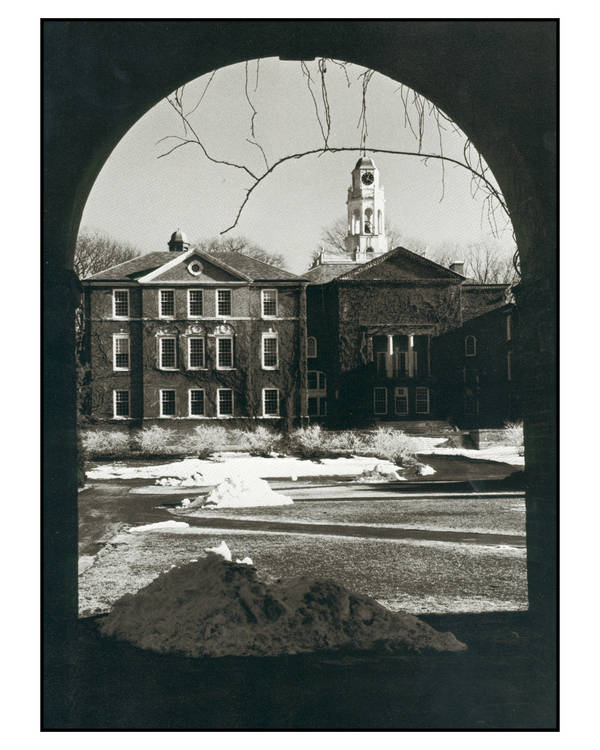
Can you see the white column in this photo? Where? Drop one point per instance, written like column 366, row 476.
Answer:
column 389, row 360
column 411, row 361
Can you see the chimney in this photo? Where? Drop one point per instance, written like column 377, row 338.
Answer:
column 458, row 266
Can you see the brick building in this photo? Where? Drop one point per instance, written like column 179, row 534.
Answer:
column 370, row 335
column 186, row 335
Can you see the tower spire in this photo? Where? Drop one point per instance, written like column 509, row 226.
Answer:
column 366, row 236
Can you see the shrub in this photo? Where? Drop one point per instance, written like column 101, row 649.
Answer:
column 307, row 442
column 392, row 445
column 104, row 442
column 260, row 442
column 513, row 433
column 205, row 440
column 156, row 440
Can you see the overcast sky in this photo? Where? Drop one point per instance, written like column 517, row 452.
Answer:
column 141, row 199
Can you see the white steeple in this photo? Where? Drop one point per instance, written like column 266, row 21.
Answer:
column 366, row 236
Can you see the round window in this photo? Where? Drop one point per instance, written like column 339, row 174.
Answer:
column 195, row 267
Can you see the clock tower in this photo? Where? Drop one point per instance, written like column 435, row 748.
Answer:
column 366, row 236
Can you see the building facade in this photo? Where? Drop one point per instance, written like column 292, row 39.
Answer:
column 372, row 335
column 186, row 335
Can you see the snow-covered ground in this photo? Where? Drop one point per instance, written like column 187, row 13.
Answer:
column 225, row 465
column 195, row 472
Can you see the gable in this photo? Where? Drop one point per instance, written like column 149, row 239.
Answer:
column 193, row 266
column 401, row 265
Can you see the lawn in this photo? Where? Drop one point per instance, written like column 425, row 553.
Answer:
column 502, row 515
column 406, row 575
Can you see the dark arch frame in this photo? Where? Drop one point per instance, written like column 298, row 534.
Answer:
column 495, row 79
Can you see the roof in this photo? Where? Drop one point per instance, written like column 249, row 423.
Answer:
column 254, row 269
column 429, row 268
column 328, row 271
column 364, row 161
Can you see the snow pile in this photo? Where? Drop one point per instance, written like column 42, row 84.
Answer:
column 160, row 526
column 382, row 472
column 223, row 551
column 424, row 470
column 240, row 492
column 218, row 608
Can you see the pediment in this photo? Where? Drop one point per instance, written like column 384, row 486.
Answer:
column 193, row 266
column 401, row 265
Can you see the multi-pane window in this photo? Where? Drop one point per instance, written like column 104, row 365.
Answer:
column 224, row 302
column 121, row 351
column 224, row 353
column 195, row 307
column 311, row 347
column 121, row 403
column 422, row 400
column 225, row 402
column 270, row 402
column 196, row 358
column 317, row 406
column 167, row 403
column 316, row 380
column 379, row 400
column 166, row 303
column 120, row 303
column 270, row 351
column 470, row 346
column 168, row 353
column 196, row 402
column 269, row 303
column 401, row 401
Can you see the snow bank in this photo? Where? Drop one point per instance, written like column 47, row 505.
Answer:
column 244, row 492
column 213, row 607
column 381, row 472
column 195, row 472
column 160, row 526
column 507, row 454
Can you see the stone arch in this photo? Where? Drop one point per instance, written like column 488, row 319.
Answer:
column 109, row 75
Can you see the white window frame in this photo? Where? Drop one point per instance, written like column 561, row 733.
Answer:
column 422, row 388
column 114, row 311
column 232, row 365
column 310, row 339
column 225, row 416
column 189, row 352
column 189, row 304
column 385, row 390
column 277, row 413
column 474, row 352
column 160, row 310
column 124, row 336
column 321, row 379
column 128, row 392
column 269, row 335
column 160, row 353
column 404, row 389
column 262, row 303
column 196, row 416
column 169, row 390
column 217, row 313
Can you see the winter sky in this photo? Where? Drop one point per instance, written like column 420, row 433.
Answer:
column 140, row 199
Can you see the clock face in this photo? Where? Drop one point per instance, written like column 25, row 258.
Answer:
column 367, row 178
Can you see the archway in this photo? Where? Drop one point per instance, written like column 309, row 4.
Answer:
column 101, row 77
